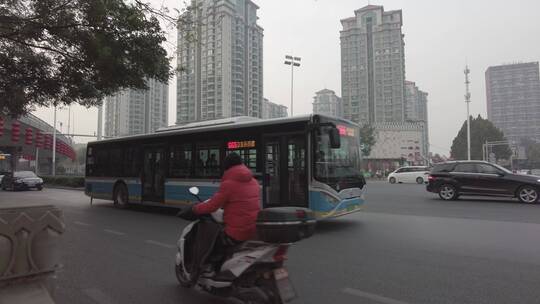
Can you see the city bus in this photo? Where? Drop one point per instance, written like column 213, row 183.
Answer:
column 310, row 161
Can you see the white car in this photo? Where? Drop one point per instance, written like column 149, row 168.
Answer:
column 416, row 174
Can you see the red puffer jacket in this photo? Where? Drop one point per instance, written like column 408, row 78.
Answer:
column 239, row 196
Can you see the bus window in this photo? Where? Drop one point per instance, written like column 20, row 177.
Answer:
column 131, row 162
column 102, row 162
column 180, row 162
column 207, row 162
column 115, row 161
column 296, row 165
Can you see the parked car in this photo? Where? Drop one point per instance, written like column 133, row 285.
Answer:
column 413, row 174
column 21, row 180
column 452, row 179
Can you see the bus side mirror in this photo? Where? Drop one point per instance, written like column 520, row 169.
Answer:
column 335, row 139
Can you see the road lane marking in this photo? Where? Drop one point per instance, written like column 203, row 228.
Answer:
column 98, row 296
column 371, row 296
column 81, row 224
column 114, row 232
column 159, row 244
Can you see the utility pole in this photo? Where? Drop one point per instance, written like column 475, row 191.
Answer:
column 468, row 101
column 37, row 161
column 54, row 145
column 293, row 62
column 69, row 121
column 100, row 122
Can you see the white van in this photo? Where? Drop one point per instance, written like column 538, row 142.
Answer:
column 413, row 174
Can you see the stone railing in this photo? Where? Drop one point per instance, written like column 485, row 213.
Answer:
column 29, row 237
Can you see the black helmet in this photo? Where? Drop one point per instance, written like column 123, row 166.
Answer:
column 233, row 159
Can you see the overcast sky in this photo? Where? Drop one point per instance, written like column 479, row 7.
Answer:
column 440, row 37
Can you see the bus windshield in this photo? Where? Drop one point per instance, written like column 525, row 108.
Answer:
column 339, row 168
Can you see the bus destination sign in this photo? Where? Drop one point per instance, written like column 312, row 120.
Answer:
column 232, row 145
column 346, row 131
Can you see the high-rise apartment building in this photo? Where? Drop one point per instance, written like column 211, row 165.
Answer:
column 513, row 100
column 328, row 103
column 273, row 110
column 416, row 112
column 373, row 66
column 221, row 62
column 131, row 112
column 415, row 103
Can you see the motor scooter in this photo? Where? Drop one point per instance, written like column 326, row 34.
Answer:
column 252, row 272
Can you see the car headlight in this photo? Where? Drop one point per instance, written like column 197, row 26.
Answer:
column 538, row 180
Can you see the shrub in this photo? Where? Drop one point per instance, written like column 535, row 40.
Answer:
column 64, row 181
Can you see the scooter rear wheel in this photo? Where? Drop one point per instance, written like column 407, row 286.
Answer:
column 181, row 277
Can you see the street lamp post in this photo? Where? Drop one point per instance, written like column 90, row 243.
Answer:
column 468, row 101
column 293, row 62
column 54, row 145
column 100, row 122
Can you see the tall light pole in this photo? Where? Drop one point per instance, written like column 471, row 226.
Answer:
column 293, row 62
column 468, row 101
column 100, row 122
column 54, row 145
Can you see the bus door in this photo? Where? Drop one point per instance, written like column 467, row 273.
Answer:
column 285, row 180
column 153, row 175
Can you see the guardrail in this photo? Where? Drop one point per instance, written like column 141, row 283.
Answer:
column 29, row 236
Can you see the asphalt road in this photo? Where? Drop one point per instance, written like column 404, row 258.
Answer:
column 407, row 247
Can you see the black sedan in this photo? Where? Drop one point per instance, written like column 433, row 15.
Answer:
column 21, row 180
column 452, row 179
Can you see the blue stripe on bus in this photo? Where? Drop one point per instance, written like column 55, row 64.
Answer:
column 104, row 189
column 134, row 189
column 318, row 202
column 181, row 193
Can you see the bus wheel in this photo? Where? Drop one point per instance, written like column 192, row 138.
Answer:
column 121, row 198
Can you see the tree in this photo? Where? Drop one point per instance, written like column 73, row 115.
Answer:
column 77, row 51
column 437, row 158
column 482, row 130
column 367, row 139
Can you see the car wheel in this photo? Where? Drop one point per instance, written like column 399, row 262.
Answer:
column 527, row 195
column 392, row 180
column 448, row 192
column 419, row 180
column 121, row 198
column 39, row 188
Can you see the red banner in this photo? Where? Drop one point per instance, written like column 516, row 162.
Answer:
column 28, row 138
column 39, row 139
column 15, row 131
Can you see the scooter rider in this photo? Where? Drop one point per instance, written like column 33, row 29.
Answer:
column 239, row 196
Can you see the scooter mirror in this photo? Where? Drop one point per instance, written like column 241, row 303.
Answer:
column 194, row 190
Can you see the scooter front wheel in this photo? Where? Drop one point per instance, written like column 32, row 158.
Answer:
column 181, row 276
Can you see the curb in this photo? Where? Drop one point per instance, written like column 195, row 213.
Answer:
column 62, row 188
